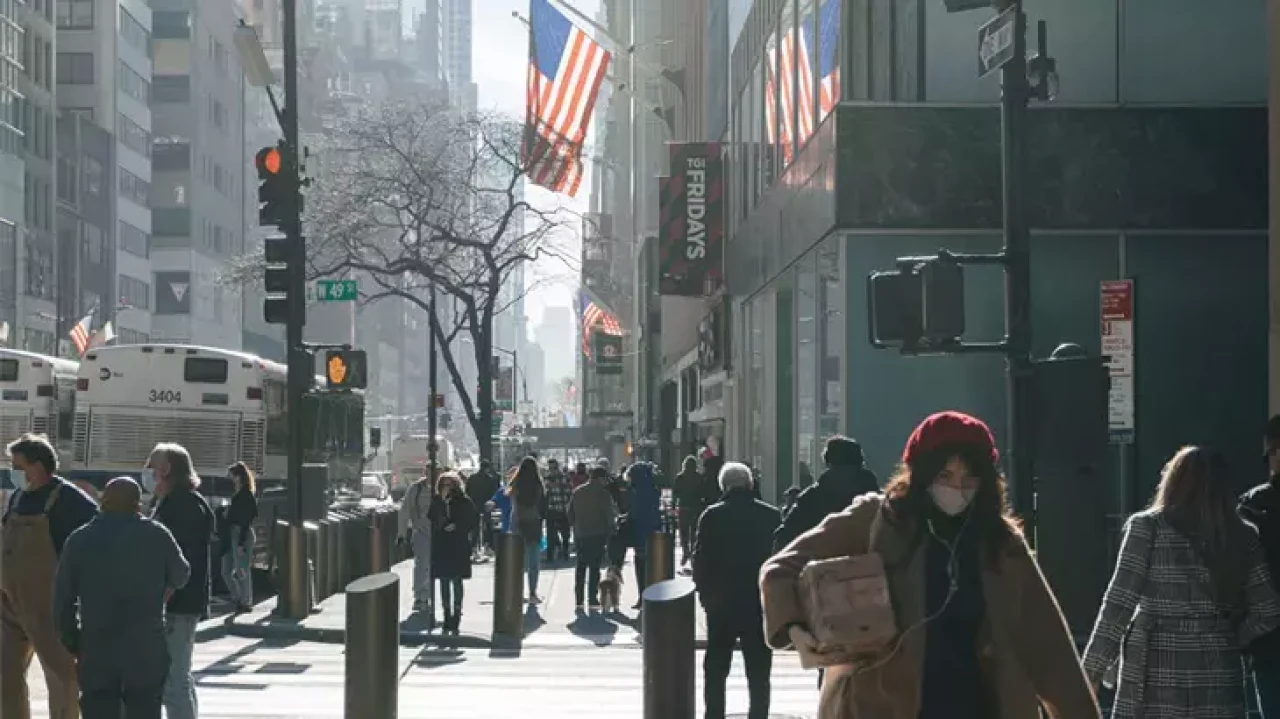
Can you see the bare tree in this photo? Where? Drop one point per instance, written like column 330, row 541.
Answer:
column 413, row 195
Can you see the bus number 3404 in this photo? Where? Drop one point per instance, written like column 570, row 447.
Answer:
column 166, row 396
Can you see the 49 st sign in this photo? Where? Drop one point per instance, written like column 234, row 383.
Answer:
column 691, row 222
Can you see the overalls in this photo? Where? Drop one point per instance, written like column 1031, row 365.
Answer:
column 27, row 571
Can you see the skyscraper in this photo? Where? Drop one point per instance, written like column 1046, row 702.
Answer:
column 458, row 40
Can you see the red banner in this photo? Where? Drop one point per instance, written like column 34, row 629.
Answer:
column 691, row 221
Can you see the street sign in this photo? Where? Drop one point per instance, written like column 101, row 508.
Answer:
column 496, row 424
column 995, row 41
column 336, row 290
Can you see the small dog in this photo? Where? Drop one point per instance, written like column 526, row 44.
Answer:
column 611, row 590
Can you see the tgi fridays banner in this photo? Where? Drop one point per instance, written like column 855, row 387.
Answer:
column 691, row 221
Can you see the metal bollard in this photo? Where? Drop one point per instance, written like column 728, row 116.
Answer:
column 322, row 560
column 669, row 649
column 357, row 546
column 293, row 598
column 377, row 550
column 278, row 552
column 311, row 535
column 659, row 558
column 373, row 647
column 508, row 586
column 333, row 557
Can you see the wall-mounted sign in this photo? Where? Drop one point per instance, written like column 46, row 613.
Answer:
column 1118, row 348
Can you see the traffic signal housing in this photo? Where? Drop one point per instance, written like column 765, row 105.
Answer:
column 274, row 191
column 278, row 257
column 345, row 369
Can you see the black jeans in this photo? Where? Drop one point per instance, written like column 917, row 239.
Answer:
column 590, row 556
column 557, row 536
column 451, row 596
column 118, row 701
column 723, row 630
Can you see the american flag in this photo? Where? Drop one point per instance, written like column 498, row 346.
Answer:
column 595, row 316
column 566, row 68
column 80, row 334
column 794, row 84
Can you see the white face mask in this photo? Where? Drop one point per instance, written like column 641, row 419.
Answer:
column 149, row 481
column 19, row 479
column 950, row 500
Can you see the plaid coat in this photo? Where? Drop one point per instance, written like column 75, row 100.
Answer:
column 1179, row 652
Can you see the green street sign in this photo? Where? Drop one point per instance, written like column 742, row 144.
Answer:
column 336, row 290
column 495, row 425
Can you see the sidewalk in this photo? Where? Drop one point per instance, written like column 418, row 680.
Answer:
column 553, row 624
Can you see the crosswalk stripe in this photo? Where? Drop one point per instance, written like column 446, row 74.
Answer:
column 240, row 678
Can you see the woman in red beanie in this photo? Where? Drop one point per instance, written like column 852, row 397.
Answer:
column 980, row 633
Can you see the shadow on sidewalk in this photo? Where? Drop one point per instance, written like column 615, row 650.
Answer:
column 594, row 627
column 533, row 621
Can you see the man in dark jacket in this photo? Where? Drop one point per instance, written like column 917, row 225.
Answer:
column 186, row 514
column 593, row 514
column 1261, row 506
column 481, row 486
column 734, row 539
column 846, row 477
column 108, row 604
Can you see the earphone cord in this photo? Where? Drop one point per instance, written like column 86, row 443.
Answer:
column 953, row 585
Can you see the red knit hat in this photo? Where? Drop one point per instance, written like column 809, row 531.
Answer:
column 950, row 428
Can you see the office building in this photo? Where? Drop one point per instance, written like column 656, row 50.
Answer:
column 41, row 317
column 12, row 167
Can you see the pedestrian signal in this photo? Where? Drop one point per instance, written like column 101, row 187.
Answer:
column 345, row 369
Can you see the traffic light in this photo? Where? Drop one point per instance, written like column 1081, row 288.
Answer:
column 345, row 369
column 276, row 252
column 274, row 192
column 917, row 306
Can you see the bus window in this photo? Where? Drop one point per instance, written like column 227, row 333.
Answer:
column 274, row 397
column 8, row 370
column 206, row 370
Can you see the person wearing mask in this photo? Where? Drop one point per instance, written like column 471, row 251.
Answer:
column 416, row 531
column 528, row 496
column 981, row 634
column 558, row 495
column 688, row 496
column 187, row 515
column 593, row 514
column 644, row 516
column 452, row 515
column 116, row 573
column 1190, row 588
column 1261, row 507
column 846, row 477
column 734, row 539
column 238, row 537
column 42, row 512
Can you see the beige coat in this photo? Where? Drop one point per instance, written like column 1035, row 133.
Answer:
column 1025, row 648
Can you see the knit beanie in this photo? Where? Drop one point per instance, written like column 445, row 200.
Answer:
column 950, row 428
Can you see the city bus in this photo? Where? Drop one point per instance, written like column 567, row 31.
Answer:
column 37, row 395
column 223, row 406
column 409, row 459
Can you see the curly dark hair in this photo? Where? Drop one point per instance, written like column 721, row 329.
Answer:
column 907, row 492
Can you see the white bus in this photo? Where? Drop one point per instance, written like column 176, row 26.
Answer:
column 409, row 459
column 223, row 406
column 37, row 394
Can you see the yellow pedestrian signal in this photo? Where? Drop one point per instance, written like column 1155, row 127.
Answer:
column 345, row 369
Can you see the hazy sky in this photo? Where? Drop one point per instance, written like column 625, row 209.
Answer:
column 500, row 59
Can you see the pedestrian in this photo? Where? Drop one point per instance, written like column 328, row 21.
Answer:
column 711, row 492
column 579, row 476
column 980, row 633
column 42, row 512
column 1261, row 506
column 1191, row 588
column 238, row 538
column 481, row 486
column 415, row 531
column 789, row 500
column 846, row 477
column 644, row 517
column 734, row 538
column 688, row 496
column 116, row 573
column 528, row 496
column 187, row 515
column 453, row 516
column 593, row 513
column 558, row 494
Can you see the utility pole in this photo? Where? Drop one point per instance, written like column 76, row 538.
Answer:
column 433, row 447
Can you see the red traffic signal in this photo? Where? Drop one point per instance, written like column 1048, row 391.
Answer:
column 269, row 162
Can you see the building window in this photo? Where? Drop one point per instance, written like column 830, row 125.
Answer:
column 133, row 136
column 172, row 88
column 38, row 341
column 170, row 24
column 134, row 241
column 75, row 14
column 134, row 33
column 135, row 188
column 135, row 293
column 91, row 172
column 91, row 243
column 134, row 85
column 75, row 68
column 127, row 336
column 40, row 278
column 171, row 156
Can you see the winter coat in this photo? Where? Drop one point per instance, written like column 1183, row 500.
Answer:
column 591, row 511
column 190, row 519
column 1179, row 648
column 415, row 508
column 451, row 549
column 1024, row 647
column 643, row 505
column 735, row 538
column 834, row 491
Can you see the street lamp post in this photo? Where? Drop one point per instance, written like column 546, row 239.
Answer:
column 433, row 447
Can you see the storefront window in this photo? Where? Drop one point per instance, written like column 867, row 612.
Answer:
column 829, row 50
column 806, row 367
column 831, row 310
column 772, row 129
column 756, row 389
